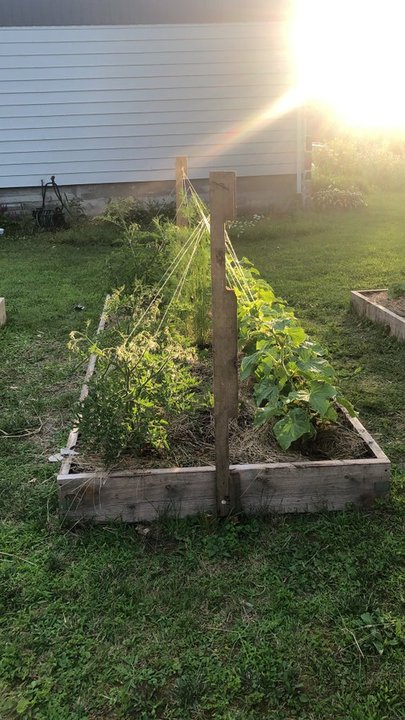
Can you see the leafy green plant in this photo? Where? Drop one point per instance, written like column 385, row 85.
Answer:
column 375, row 632
column 338, row 199
column 132, row 259
column 142, row 380
column 147, row 254
column 139, row 212
column 293, row 382
column 362, row 163
column 16, row 221
column 397, row 290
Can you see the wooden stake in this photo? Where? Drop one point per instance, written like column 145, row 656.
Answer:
column 224, row 323
column 181, row 173
column 3, row 317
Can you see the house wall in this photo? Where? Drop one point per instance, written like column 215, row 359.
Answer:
column 139, row 12
column 116, row 104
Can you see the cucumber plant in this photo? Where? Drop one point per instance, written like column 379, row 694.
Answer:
column 294, row 385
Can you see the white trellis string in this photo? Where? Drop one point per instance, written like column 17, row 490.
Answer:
column 234, row 269
column 180, row 284
column 235, row 259
column 173, row 267
column 240, row 279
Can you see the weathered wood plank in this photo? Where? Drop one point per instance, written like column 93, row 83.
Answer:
column 278, row 488
column 74, row 433
column 224, row 331
column 364, row 305
column 3, row 317
column 181, row 174
column 299, row 488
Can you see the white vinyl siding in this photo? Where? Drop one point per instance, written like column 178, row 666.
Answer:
column 118, row 104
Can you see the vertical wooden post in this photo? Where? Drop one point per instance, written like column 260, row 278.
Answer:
column 2, row 311
column 181, row 172
column 224, row 325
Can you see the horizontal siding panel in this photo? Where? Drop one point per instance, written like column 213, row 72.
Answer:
column 260, row 56
column 152, row 108
column 151, row 64
column 148, row 86
column 119, row 104
column 144, row 99
column 196, row 144
column 230, row 120
column 114, row 176
column 118, row 33
column 140, row 165
column 12, row 140
column 142, row 75
column 133, row 47
column 63, row 158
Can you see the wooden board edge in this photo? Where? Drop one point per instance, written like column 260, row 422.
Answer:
column 365, row 435
column 297, row 489
column 170, row 474
column 358, row 295
column 74, row 433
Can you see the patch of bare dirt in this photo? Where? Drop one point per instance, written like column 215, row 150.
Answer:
column 396, row 305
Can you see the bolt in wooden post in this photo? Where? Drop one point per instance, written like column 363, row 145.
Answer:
column 224, row 326
column 181, row 173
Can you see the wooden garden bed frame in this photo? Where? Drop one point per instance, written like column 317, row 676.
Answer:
column 143, row 495
column 285, row 487
column 364, row 305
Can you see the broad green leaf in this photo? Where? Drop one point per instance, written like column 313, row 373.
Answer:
column 265, row 414
column 281, row 324
column 347, row 405
column 264, row 344
column 297, row 334
column 331, row 414
column 270, row 357
column 291, row 427
column 320, row 396
column 268, row 296
column 316, row 366
column 298, row 396
column 266, row 390
column 249, row 364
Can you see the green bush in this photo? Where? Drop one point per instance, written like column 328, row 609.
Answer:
column 140, row 212
column 334, row 198
column 16, row 222
column 348, row 162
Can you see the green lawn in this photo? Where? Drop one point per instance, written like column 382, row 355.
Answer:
column 285, row 618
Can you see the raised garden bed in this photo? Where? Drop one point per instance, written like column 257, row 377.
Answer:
column 147, row 410
column 138, row 495
column 375, row 305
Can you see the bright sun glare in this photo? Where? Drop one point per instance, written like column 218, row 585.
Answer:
column 350, row 56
